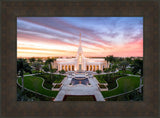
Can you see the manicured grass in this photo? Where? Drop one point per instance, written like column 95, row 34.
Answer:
column 132, row 96
column 35, row 84
column 49, row 80
column 110, row 79
column 126, row 84
column 30, row 96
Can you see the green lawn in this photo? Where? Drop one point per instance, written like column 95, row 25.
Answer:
column 48, row 80
column 35, row 84
column 110, row 79
column 126, row 84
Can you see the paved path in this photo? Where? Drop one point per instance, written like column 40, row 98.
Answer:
column 79, row 89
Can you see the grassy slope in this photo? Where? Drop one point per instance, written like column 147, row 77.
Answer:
column 35, row 84
column 126, row 84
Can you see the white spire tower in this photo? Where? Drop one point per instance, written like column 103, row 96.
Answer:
column 80, row 51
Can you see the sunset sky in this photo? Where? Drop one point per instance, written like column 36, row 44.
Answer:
column 59, row 36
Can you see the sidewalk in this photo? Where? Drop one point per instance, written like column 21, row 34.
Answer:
column 79, row 89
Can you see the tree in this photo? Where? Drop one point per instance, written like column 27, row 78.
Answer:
column 110, row 58
column 129, row 59
column 123, row 65
column 22, row 66
column 53, row 70
column 32, row 59
column 45, row 68
column 62, row 72
column 113, row 69
column 98, row 71
column 37, row 66
column 121, row 59
column 136, row 67
column 40, row 60
column 106, row 70
column 48, row 61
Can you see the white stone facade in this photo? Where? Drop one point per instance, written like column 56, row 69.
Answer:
column 80, row 62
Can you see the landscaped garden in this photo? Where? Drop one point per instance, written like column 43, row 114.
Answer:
column 35, row 84
column 49, row 79
column 30, row 96
column 110, row 79
column 40, row 85
column 132, row 96
column 125, row 84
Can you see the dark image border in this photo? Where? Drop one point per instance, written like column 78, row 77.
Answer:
column 11, row 10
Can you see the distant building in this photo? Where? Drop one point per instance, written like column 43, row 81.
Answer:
column 80, row 62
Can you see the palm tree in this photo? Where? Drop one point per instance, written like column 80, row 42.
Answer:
column 32, row 59
column 48, row 61
column 110, row 58
column 114, row 67
column 40, row 60
column 123, row 65
column 45, row 68
column 136, row 67
column 22, row 66
column 37, row 66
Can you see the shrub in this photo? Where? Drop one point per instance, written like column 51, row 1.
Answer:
column 98, row 71
column 62, row 71
column 46, row 68
column 53, row 70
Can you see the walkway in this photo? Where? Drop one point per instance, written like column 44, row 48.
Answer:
column 79, row 89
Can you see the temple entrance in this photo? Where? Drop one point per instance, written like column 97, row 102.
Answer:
column 97, row 68
column 66, row 68
column 87, row 68
column 94, row 67
column 72, row 68
column 69, row 67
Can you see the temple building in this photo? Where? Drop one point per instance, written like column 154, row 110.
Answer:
column 80, row 62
